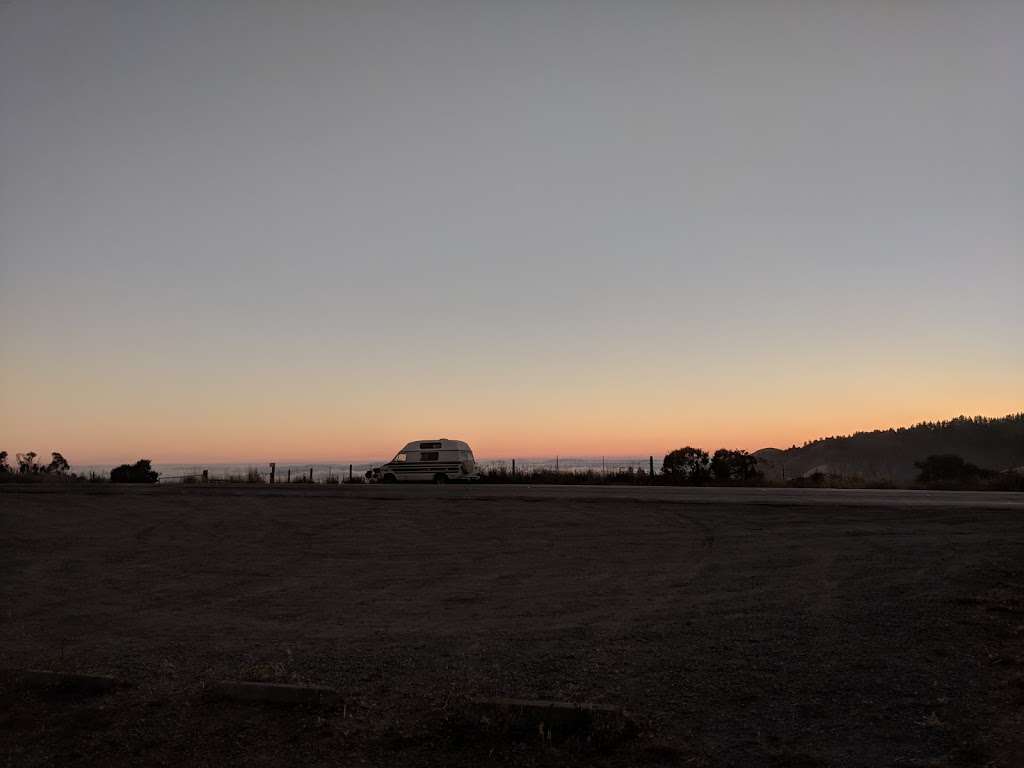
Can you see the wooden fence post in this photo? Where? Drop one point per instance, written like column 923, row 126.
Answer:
column 350, row 473
column 311, row 474
column 652, row 469
column 513, row 470
column 273, row 466
column 289, row 474
column 206, row 475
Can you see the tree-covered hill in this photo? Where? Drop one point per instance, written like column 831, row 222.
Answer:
column 889, row 454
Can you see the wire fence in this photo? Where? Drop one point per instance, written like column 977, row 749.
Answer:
column 337, row 473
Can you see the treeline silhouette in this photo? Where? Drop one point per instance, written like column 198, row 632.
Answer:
column 962, row 453
column 891, row 455
column 27, row 465
column 28, row 469
column 683, row 466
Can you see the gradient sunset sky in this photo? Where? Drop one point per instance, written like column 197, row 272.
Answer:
column 306, row 230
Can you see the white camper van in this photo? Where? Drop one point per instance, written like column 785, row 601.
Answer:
column 436, row 461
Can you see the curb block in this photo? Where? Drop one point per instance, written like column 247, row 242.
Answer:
column 68, row 681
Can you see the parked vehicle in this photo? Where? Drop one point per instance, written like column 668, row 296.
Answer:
column 436, row 461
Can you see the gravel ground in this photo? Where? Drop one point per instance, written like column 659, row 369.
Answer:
column 739, row 627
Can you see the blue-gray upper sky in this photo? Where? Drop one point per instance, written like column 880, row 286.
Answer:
column 538, row 225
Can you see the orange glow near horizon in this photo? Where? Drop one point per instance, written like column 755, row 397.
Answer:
column 260, row 426
column 252, row 410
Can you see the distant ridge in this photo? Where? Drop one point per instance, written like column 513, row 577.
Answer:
column 889, row 454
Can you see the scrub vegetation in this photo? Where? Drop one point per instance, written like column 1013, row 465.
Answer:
column 27, row 467
column 963, row 453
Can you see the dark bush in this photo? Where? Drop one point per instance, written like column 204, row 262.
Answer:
column 949, row 468
column 688, row 465
column 139, row 472
column 734, row 466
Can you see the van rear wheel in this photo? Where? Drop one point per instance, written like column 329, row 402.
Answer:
column 389, row 479
column 440, row 477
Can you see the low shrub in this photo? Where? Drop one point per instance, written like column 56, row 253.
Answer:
column 139, row 472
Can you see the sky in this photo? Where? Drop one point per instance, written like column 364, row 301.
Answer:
column 310, row 230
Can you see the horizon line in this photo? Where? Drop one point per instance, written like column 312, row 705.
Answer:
column 530, row 457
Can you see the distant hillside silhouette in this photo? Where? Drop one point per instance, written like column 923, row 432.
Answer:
column 889, row 454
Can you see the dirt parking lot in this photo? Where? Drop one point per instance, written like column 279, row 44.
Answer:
column 739, row 627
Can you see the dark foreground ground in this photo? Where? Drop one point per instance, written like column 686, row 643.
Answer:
column 741, row 628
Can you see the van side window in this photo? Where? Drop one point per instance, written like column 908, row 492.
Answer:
column 428, row 456
column 428, row 446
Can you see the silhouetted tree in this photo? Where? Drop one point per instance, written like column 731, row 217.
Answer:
column 58, row 464
column 729, row 465
column 686, row 464
column 4, row 466
column 139, row 472
column 948, row 468
column 27, row 463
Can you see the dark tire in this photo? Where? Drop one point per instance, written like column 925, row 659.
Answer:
column 389, row 479
column 440, row 478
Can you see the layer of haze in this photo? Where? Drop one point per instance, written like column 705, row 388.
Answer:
column 284, row 230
